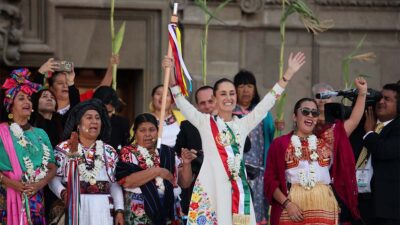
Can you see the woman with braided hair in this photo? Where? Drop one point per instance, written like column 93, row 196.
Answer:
column 85, row 133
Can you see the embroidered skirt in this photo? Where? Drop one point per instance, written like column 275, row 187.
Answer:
column 319, row 205
column 36, row 204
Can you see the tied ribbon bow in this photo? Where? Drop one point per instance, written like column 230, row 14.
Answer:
column 19, row 81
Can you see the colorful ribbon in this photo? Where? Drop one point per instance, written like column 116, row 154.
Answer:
column 19, row 81
column 180, row 67
column 73, row 193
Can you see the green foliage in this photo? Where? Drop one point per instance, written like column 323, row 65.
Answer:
column 116, row 42
column 209, row 16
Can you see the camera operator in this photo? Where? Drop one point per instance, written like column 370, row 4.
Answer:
column 352, row 122
column 382, row 142
column 341, row 129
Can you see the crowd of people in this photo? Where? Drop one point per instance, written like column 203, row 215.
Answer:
column 218, row 162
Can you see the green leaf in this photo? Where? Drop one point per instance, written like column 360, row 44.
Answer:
column 119, row 38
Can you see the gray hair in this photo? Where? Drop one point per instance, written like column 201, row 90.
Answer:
column 316, row 87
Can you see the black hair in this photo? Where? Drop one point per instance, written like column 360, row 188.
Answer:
column 299, row 102
column 395, row 88
column 220, row 81
column 36, row 96
column 3, row 111
column 247, row 77
column 143, row 118
column 53, row 78
column 77, row 112
column 201, row 89
column 108, row 96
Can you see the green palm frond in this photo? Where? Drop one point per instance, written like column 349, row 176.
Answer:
column 346, row 63
column 307, row 16
column 209, row 16
column 116, row 42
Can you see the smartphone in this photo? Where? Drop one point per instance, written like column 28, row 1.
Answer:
column 64, row 66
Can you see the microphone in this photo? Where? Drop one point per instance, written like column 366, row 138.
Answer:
column 85, row 129
column 351, row 93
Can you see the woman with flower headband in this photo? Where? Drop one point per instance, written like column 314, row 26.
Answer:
column 147, row 175
column 27, row 160
column 221, row 194
column 101, row 200
column 301, row 167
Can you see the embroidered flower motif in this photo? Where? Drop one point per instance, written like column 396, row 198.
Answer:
column 200, row 208
column 307, row 180
column 196, row 197
column 225, row 136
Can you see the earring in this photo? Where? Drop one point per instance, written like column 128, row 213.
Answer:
column 10, row 116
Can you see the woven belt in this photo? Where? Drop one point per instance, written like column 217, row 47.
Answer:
column 101, row 187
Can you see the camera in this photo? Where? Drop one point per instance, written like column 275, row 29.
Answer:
column 64, row 66
column 335, row 111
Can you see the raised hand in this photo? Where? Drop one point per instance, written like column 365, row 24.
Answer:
column 361, row 85
column 295, row 62
column 73, row 143
column 71, row 76
column 168, row 62
column 114, row 59
column 49, row 66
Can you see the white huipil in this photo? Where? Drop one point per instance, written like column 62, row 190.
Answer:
column 212, row 196
column 94, row 208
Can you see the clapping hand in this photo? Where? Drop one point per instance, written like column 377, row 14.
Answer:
column 188, row 155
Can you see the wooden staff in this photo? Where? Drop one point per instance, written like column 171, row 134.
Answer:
column 167, row 72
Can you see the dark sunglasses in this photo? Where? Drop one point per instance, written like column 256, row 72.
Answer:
column 308, row 111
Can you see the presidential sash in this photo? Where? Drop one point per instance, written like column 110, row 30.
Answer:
column 228, row 150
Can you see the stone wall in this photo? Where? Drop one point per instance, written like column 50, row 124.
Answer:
column 248, row 38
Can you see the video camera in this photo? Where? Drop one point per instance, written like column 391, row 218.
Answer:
column 338, row 110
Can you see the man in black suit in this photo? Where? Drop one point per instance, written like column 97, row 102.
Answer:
column 384, row 147
column 189, row 137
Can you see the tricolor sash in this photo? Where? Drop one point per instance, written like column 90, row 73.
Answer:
column 228, row 148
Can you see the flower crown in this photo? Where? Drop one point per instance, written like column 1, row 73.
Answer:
column 19, row 81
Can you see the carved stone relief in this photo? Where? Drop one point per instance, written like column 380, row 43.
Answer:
column 371, row 3
column 251, row 6
column 10, row 32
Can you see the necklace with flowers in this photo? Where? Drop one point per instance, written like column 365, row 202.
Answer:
column 89, row 173
column 151, row 162
column 229, row 135
column 31, row 175
column 306, row 181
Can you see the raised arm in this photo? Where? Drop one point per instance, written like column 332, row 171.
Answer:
column 187, row 109
column 107, row 79
column 358, row 110
column 251, row 120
